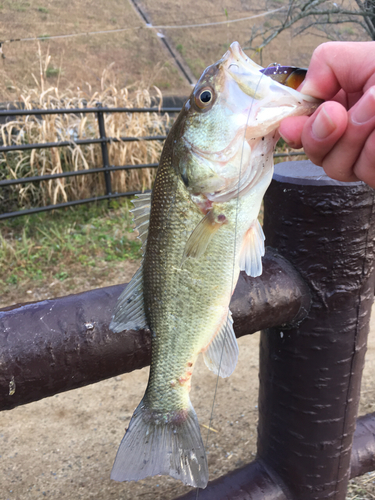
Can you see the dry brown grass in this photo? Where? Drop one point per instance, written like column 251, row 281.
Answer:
column 69, row 127
column 362, row 488
column 137, row 53
column 203, row 46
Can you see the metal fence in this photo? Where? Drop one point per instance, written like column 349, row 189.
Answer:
column 103, row 140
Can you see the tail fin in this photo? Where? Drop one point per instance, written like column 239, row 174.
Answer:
column 158, row 443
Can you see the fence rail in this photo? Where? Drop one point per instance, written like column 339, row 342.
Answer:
column 103, row 140
column 313, row 302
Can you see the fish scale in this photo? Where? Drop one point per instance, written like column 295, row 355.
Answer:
column 202, row 230
column 172, row 221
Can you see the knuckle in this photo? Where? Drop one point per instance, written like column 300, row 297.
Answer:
column 324, row 51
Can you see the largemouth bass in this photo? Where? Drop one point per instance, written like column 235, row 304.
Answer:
column 199, row 228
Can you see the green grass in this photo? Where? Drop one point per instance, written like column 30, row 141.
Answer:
column 180, row 48
column 33, row 247
column 19, row 6
column 51, row 71
column 362, row 488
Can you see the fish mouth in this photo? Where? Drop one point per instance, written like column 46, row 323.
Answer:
column 254, row 80
column 235, row 57
column 243, row 70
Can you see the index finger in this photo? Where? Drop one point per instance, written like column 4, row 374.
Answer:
column 340, row 65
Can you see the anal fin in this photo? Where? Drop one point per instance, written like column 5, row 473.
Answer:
column 221, row 355
column 252, row 250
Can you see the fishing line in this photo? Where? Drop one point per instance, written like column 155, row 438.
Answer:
column 234, row 259
column 148, row 26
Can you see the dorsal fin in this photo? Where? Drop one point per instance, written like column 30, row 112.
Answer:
column 129, row 313
column 141, row 214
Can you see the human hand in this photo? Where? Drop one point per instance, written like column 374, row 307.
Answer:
column 340, row 135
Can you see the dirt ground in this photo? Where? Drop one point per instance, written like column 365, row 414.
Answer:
column 64, row 446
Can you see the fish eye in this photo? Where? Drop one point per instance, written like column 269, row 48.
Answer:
column 204, row 98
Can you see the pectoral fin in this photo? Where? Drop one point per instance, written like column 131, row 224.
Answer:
column 252, row 250
column 199, row 239
column 222, row 353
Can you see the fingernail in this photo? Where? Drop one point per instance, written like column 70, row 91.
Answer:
column 365, row 109
column 307, row 88
column 302, row 84
column 323, row 125
column 290, row 143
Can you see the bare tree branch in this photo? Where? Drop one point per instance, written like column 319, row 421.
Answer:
column 302, row 15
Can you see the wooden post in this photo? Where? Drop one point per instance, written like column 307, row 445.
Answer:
column 310, row 376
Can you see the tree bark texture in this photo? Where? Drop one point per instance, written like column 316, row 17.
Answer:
column 310, row 375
